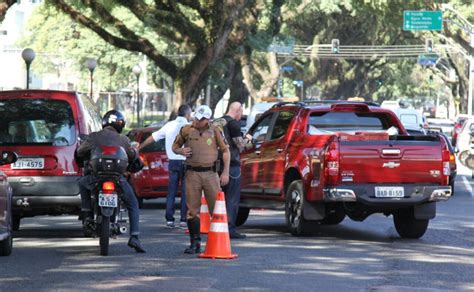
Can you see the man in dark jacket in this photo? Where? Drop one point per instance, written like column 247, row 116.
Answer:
column 231, row 127
column 113, row 123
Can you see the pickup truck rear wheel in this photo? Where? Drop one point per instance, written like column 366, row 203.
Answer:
column 242, row 216
column 294, row 209
column 409, row 227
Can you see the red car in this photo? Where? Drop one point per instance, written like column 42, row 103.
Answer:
column 152, row 181
column 42, row 127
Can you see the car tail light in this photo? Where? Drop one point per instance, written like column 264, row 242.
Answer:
column 108, row 187
column 145, row 162
column 332, row 163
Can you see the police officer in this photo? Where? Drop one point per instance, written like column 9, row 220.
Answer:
column 201, row 141
column 113, row 123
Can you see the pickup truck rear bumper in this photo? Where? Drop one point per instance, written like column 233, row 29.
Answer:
column 365, row 194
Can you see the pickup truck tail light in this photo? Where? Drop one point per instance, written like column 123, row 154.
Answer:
column 331, row 169
column 446, row 157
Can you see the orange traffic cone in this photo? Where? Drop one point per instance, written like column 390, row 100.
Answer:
column 204, row 215
column 218, row 240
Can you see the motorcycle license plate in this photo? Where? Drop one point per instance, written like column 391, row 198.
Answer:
column 389, row 192
column 108, row 200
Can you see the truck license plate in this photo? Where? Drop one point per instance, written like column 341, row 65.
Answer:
column 107, row 200
column 389, row 192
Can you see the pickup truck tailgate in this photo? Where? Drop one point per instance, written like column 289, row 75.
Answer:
column 391, row 162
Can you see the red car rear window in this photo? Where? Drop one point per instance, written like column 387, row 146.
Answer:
column 36, row 121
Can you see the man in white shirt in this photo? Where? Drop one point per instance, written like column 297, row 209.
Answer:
column 176, row 163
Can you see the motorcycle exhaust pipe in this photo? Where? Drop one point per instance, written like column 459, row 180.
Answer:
column 123, row 229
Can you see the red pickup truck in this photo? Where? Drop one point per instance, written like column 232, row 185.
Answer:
column 322, row 161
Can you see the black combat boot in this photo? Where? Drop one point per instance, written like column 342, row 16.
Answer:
column 194, row 236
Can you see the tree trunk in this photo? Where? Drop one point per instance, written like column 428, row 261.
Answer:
column 4, row 6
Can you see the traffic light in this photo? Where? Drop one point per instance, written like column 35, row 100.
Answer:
column 335, row 46
column 429, row 45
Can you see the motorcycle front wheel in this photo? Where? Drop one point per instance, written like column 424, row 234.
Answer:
column 104, row 235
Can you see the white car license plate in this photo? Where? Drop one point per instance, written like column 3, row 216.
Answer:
column 28, row 163
column 389, row 192
column 108, row 200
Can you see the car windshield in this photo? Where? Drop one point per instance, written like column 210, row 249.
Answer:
column 346, row 122
column 36, row 121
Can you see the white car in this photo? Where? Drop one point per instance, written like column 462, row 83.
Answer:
column 390, row 104
column 445, row 125
column 411, row 119
column 257, row 110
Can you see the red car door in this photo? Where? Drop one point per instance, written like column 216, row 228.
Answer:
column 252, row 172
column 152, row 180
column 273, row 155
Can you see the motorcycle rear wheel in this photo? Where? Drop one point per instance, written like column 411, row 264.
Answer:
column 470, row 162
column 104, row 235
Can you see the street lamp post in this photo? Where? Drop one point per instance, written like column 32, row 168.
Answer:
column 28, row 56
column 91, row 63
column 137, row 70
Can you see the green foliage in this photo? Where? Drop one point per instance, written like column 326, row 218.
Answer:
column 353, row 23
column 62, row 44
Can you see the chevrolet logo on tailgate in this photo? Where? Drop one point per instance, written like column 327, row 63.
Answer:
column 391, row 164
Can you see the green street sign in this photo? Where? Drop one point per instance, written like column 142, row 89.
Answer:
column 282, row 45
column 422, row 20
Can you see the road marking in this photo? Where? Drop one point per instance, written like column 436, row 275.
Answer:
column 467, row 185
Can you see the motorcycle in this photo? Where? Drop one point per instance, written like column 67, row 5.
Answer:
column 469, row 157
column 107, row 164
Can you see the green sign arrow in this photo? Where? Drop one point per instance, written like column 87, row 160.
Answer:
column 422, row 20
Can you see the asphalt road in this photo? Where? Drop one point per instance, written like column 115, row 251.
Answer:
column 51, row 254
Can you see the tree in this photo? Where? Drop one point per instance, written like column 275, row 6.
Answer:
column 201, row 28
column 353, row 23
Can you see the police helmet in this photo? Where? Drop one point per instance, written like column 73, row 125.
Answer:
column 115, row 119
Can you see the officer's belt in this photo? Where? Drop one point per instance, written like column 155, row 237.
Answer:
column 201, row 169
